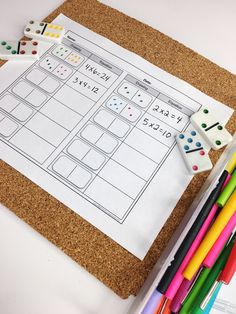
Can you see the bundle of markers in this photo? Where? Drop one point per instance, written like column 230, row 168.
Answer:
column 206, row 259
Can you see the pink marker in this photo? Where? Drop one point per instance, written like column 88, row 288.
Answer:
column 220, row 242
column 178, row 278
column 226, row 181
column 181, row 294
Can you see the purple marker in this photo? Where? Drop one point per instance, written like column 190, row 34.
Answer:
column 152, row 303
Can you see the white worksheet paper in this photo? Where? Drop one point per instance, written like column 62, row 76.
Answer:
column 94, row 125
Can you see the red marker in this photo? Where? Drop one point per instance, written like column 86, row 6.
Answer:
column 230, row 267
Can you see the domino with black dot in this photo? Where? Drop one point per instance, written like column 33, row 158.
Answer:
column 26, row 50
column 210, row 128
column 44, row 31
column 192, row 148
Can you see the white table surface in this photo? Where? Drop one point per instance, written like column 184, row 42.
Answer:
column 35, row 276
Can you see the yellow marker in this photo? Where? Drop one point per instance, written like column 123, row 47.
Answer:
column 231, row 164
column 212, row 235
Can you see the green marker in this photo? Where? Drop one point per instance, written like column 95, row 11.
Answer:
column 214, row 274
column 187, row 304
column 205, row 281
column 228, row 190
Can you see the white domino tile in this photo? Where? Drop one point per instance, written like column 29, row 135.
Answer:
column 211, row 128
column 194, row 151
column 25, row 50
column 44, row 31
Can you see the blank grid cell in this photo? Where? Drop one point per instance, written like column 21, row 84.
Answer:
column 32, row 145
column 135, row 161
column 74, row 100
column 47, row 129
column 61, row 114
column 146, row 145
column 122, row 178
column 108, row 197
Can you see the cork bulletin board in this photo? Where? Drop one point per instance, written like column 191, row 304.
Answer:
column 97, row 253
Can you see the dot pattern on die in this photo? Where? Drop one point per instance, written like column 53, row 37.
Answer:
column 195, row 167
column 73, row 58
column 64, row 70
column 61, row 52
column 130, row 113
column 127, row 92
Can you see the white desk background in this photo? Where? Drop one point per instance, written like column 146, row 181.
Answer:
column 35, row 276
